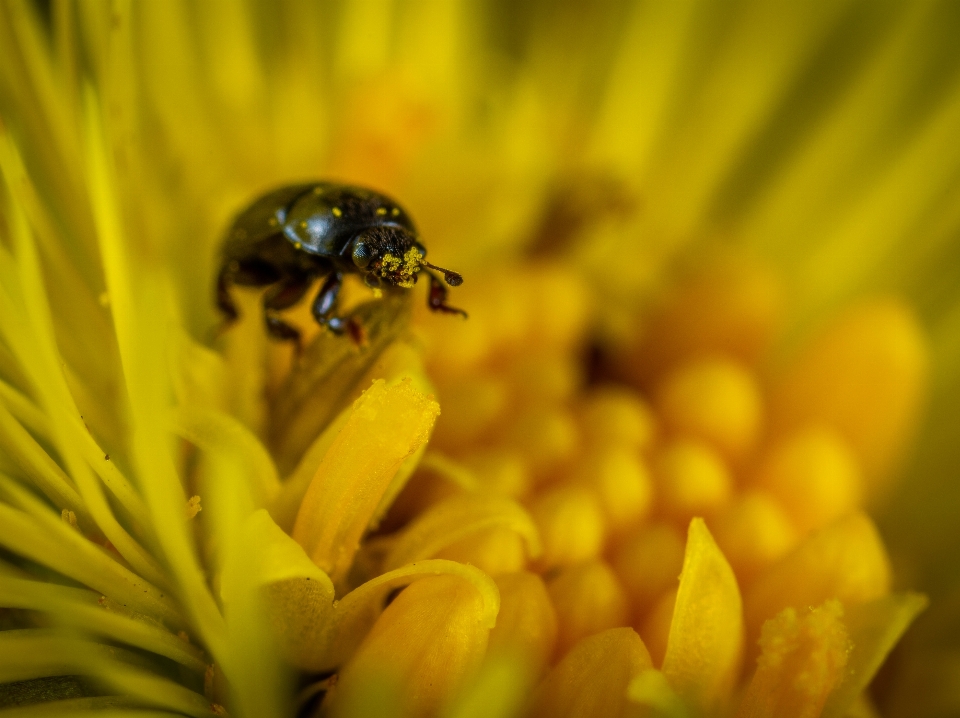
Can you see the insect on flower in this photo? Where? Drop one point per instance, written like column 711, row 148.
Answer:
column 292, row 235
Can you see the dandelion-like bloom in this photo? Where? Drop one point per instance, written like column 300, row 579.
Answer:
column 686, row 234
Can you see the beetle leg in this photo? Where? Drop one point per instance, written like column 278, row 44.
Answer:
column 325, row 304
column 224, row 300
column 250, row 274
column 437, row 298
column 282, row 295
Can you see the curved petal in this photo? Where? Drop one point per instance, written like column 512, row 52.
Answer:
column 458, row 518
column 388, row 424
column 706, row 635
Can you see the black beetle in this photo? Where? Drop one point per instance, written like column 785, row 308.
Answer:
column 292, row 235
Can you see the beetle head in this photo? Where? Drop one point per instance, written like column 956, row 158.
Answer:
column 392, row 255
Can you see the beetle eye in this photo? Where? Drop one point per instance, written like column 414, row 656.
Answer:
column 361, row 255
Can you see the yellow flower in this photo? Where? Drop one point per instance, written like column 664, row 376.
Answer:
column 696, row 241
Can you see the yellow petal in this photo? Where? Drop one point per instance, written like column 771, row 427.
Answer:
column 864, row 375
column 356, row 612
column 874, row 627
column 527, row 622
column 493, row 551
column 500, row 690
column 327, row 375
column 652, row 692
column 591, row 681
column 845, row 561
column 706, row 635
column 655, row 630
column 287, row 502
column 387, row 424
column 458, row 518
column 299, row 600
column 428, row 641
column 803, row 660
column 212, row 430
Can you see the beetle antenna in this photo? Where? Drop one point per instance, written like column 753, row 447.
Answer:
column 450, row 277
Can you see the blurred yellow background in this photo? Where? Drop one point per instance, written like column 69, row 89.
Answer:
column 635, row 143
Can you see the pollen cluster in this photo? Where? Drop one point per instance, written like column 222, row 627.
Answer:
column 404, row 268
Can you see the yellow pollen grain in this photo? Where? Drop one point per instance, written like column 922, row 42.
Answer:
column 845, row 560
column 298, row 245
column 193, row 507
column 803, row 659
column 381, row 211
column 404, row 269
column 395, row 212
column 412, row 260
column 69, row 518
column 389, row 262
column 303, row 225
column 337, row 212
